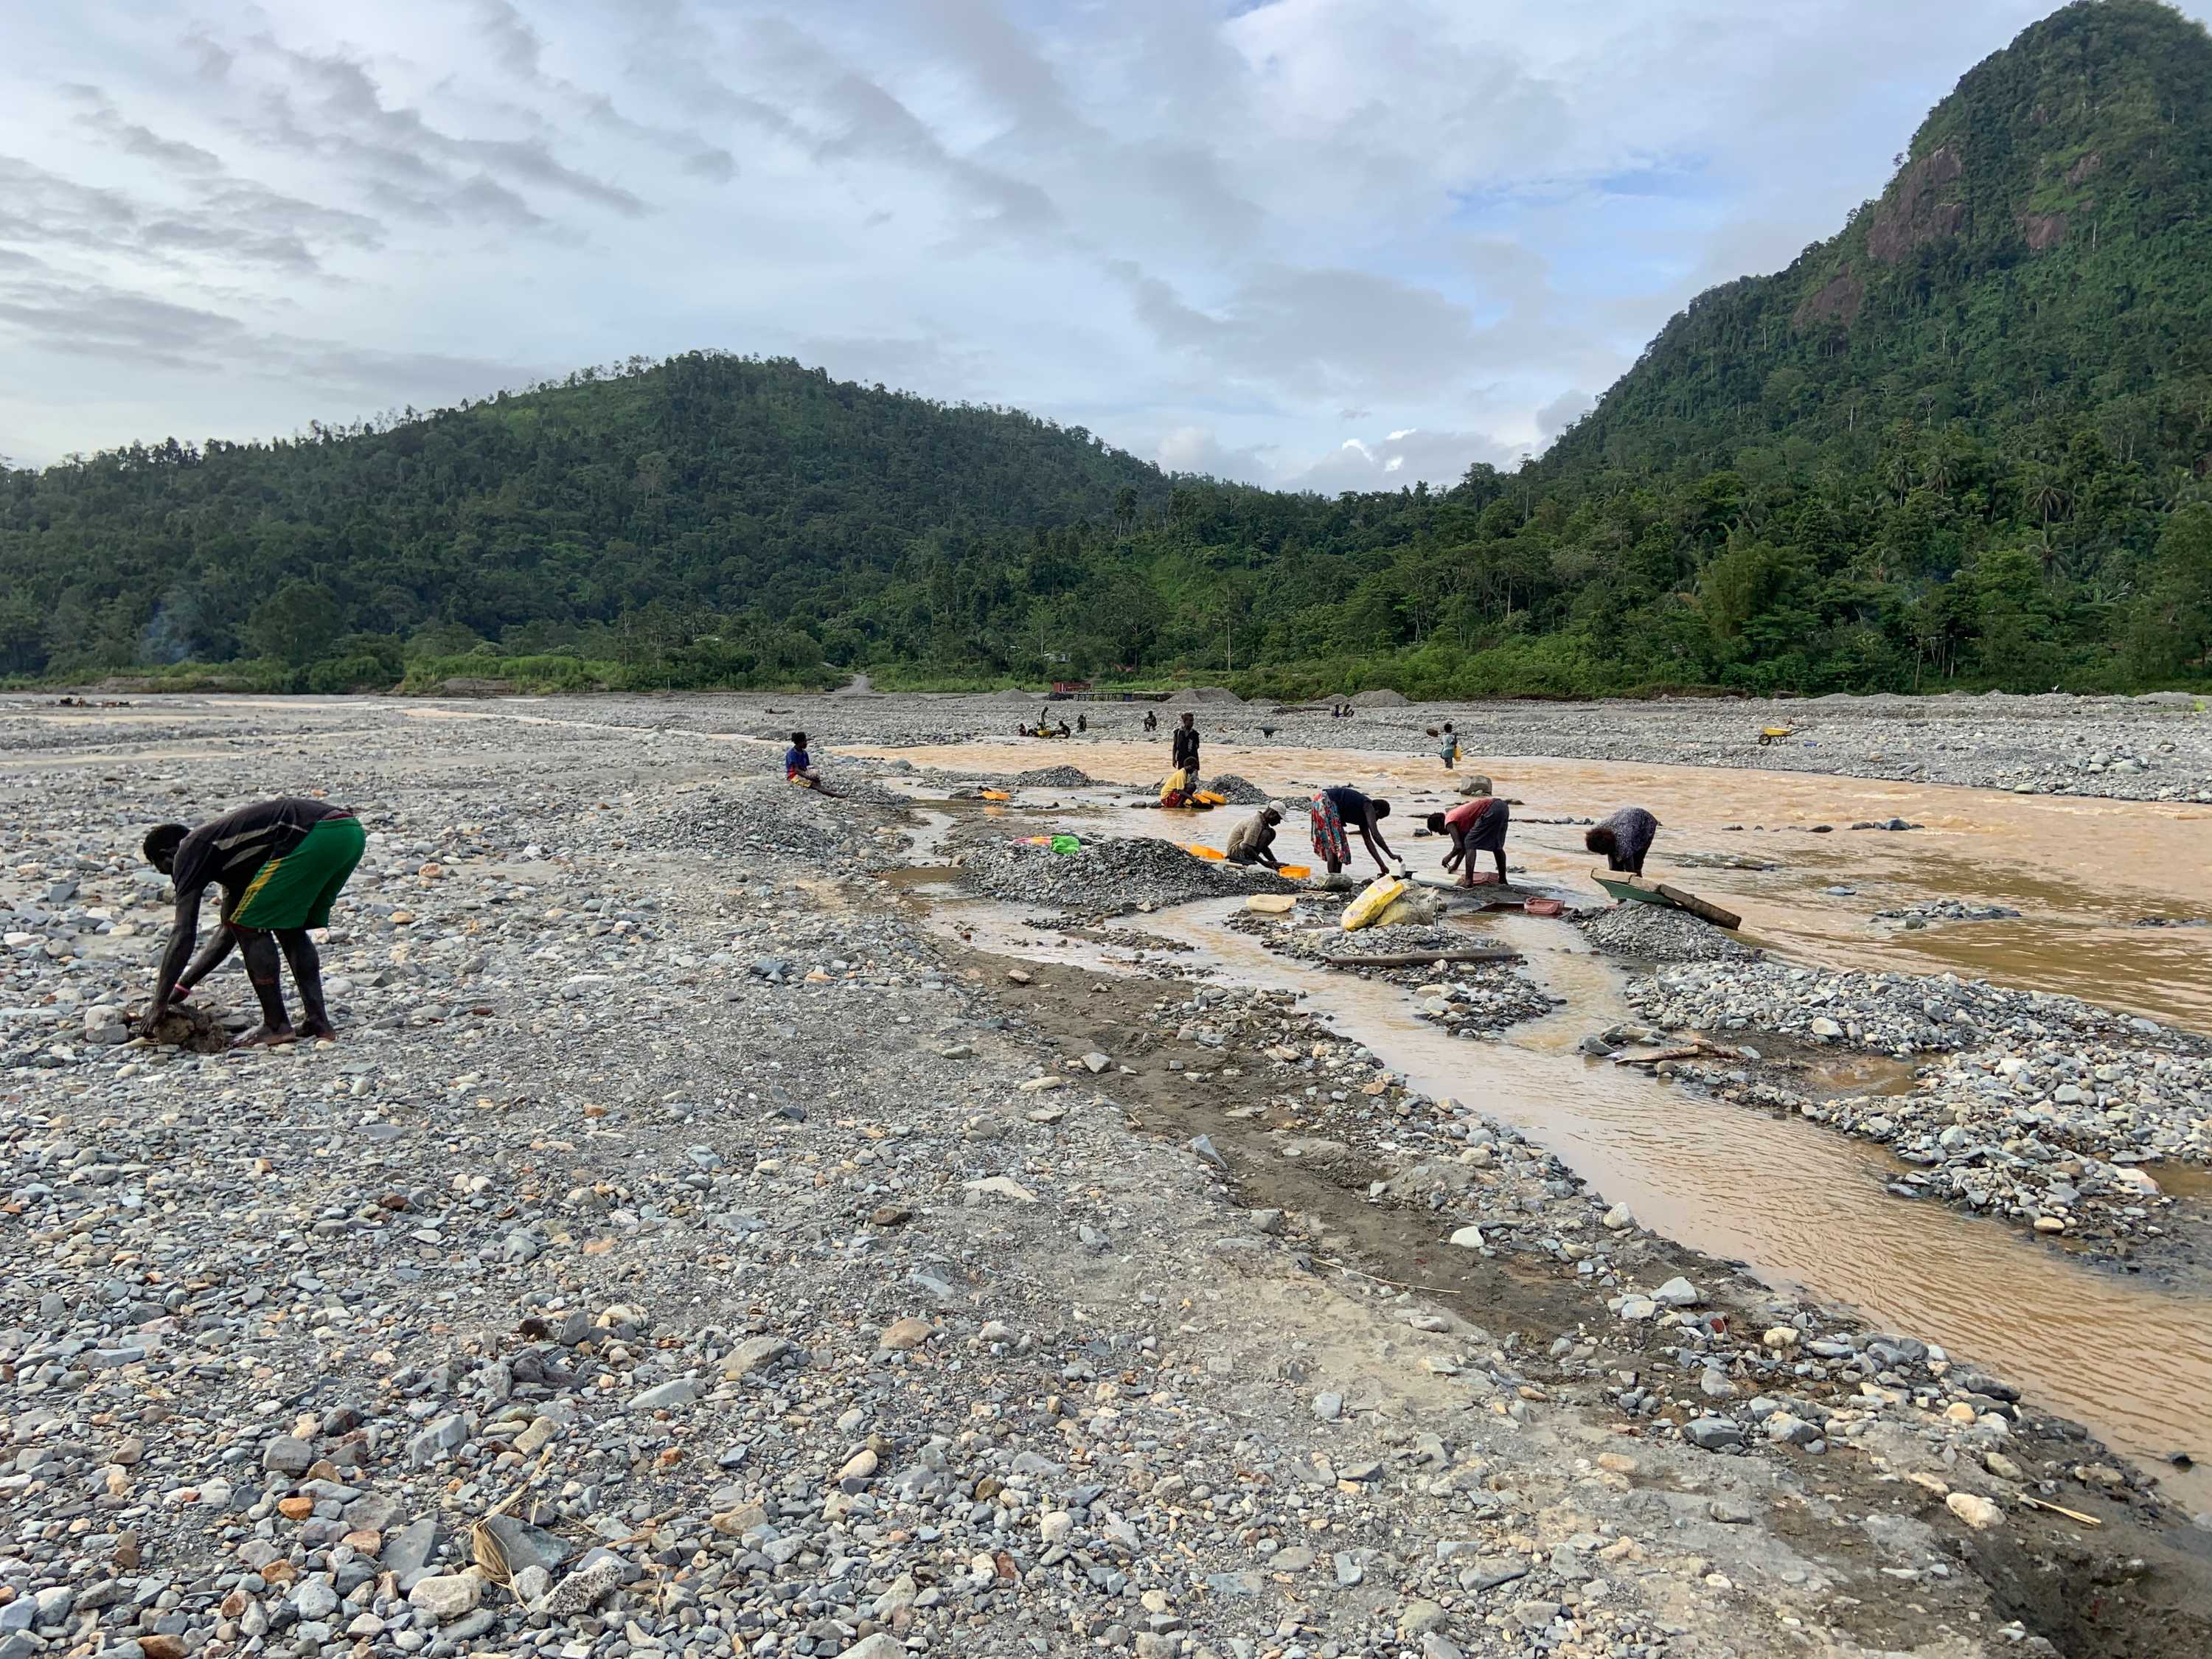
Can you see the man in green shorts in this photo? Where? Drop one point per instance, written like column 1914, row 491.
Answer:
column 279, row 863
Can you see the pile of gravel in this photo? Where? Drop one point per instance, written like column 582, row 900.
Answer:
column 1649, row 933
column 1054, row 777
column 1238, row 792
column 1901, row 1014
column 1108, row 876
column 1380, row 699
column 1467, row 999
column 762, row 818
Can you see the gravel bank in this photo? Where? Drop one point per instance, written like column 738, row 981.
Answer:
column 2151, row 748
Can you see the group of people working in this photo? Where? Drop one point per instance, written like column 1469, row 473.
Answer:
column 1474, row 826
column 1336, row 813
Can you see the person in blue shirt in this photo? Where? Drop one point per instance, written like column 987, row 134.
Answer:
column 798, row 765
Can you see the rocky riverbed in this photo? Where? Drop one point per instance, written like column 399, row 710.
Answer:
column 684, row 1252
column 2157, row 747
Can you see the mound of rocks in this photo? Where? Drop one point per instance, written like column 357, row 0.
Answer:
column 1901, row 1014
column 2051, row 1135
column 1106, row 876
column 1647, row 933
column 1054, row 777
column 768, row 817
column 1236, row 791
column 2047, row 1134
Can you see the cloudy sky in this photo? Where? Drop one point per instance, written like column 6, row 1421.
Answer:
column 1328, row 243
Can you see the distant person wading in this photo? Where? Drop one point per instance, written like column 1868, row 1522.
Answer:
column 1183, row 753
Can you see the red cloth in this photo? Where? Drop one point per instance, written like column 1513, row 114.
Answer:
column 1463, row 815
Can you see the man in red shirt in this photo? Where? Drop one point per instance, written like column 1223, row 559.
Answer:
column 1474, row 826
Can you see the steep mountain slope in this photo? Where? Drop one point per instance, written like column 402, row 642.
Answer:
column 2044, row 249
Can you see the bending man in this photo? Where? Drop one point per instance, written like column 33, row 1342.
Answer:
column 1474, row 826
column 1253, row 842
column 1336, row 809
column 280, row 864
column 1623, row 838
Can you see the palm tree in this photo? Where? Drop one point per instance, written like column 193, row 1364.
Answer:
column 2046, row 496
column 1897, row 473
column 1939, row 472
column 2046, row 555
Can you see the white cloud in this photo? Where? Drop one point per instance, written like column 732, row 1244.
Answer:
column 1562, row 412
column 1225, row 235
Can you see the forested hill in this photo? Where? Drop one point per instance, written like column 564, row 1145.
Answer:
column 2041, row 253
column 707, row 485
column 1963, row 444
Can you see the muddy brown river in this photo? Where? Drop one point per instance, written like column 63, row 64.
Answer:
column 1801, row 1205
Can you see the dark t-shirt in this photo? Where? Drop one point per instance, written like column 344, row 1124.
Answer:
column 1351, row 806
column 230, row 848
column 1183, row 752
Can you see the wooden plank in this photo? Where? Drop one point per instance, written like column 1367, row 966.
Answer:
column 1699, row 907
column 1644, row 891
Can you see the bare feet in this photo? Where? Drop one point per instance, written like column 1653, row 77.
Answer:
column 319, row 1031
column 265, row 1037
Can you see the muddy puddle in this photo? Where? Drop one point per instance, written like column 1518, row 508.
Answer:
column 1801, row 1206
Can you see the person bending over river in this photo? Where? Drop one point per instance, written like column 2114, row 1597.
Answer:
column 1338, row 810
column 1253, row 842
column 1474, row 826
column 280, row 864
column 1623, row 838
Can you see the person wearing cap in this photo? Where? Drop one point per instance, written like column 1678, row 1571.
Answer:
column 1253, row 840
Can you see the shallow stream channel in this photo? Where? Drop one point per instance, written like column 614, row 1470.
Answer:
column 1802, row 1206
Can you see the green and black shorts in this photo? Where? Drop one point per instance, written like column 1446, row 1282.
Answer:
column 297, row 890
